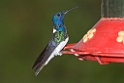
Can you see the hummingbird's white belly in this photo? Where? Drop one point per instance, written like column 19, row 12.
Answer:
column 57, row 50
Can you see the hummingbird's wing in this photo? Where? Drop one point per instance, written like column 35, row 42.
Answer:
column 44, row 57
column 57, row 43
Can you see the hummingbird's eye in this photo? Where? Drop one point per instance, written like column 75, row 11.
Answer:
column 58, row 15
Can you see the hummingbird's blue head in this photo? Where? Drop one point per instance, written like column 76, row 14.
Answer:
column 58, row 17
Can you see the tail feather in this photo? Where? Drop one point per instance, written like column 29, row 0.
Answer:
column 38, row 69
column 43, row 58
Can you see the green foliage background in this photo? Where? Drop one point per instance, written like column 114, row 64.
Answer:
column 25, row 29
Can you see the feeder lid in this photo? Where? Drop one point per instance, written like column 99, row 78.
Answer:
column 106, row 38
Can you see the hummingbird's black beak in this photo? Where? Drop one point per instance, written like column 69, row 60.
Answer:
column 65, row 12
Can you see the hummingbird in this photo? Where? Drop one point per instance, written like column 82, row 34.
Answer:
column 57, row 42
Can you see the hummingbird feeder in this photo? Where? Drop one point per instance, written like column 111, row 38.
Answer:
column 104, row 42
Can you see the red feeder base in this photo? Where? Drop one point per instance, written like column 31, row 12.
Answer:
column 103, row 43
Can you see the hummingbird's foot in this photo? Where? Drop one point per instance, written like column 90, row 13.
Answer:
column 60, row 53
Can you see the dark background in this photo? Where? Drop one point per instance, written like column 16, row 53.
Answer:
column 25, row 29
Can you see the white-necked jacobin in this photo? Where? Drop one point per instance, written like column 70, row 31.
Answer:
column 56, row 44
